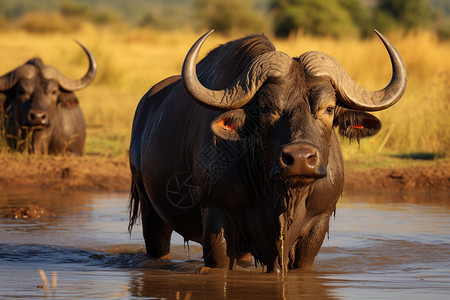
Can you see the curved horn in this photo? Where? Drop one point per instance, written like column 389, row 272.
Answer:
column 50, row 72
column 8, row 80
column 241, row 91
column 354, row 96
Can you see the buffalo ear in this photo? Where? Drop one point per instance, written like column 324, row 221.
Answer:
column 355, row 124
column 228, row 125
column 68, row 100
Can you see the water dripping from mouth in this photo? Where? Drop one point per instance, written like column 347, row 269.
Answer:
column 186, row 245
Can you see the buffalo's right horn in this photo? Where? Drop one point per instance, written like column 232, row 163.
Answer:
column 354, row 96
column 8, row 80
column 50, row 72
column 241, row 91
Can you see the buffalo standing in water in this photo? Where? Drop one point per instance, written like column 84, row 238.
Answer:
column 40, row 98
column 244, row 158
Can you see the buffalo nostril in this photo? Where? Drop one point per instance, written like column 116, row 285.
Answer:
column 32, row 116
column 287, row 158
column 311, row 159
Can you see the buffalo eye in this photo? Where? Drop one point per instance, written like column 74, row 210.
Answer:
column 330, row 109
column 53, row 91
column 263, row 107
column 22, row 93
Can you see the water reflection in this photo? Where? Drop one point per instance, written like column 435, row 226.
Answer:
column 222, row 284
column 420, row 197
column 396, row 245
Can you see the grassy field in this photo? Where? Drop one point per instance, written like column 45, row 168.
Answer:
column 131, row 61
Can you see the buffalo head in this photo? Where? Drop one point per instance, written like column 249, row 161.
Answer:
column 40, row 98
column 296, row 103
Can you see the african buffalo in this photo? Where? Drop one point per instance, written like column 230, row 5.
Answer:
column 244, row 158
column 38, row 98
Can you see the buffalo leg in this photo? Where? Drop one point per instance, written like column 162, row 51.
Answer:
column 214, row 244
column 156, row 233
column 308, row 247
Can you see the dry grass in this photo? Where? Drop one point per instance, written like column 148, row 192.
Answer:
column 131, row 61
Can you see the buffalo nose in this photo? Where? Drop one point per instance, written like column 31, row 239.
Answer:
column 302, row 159
column 37, row 118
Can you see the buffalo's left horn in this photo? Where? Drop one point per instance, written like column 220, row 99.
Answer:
column 8, row 80
column 354, row 96
column 241, row 91
column 50, row 72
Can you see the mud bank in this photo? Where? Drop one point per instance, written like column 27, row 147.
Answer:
column 113, row 174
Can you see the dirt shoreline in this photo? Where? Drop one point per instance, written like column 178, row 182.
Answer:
column 113, row 174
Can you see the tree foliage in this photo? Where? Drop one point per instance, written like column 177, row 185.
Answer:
column 404, row 14
column 318, row 17
column 282, row 17
column 71, row 8
column 225, row 16
column 339, row 17
column 164, row 17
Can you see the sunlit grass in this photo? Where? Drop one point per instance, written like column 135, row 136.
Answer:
column 131, row 61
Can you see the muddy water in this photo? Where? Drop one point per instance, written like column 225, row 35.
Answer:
column 389, row 246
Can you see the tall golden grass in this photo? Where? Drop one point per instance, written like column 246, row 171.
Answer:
column 131, row 61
